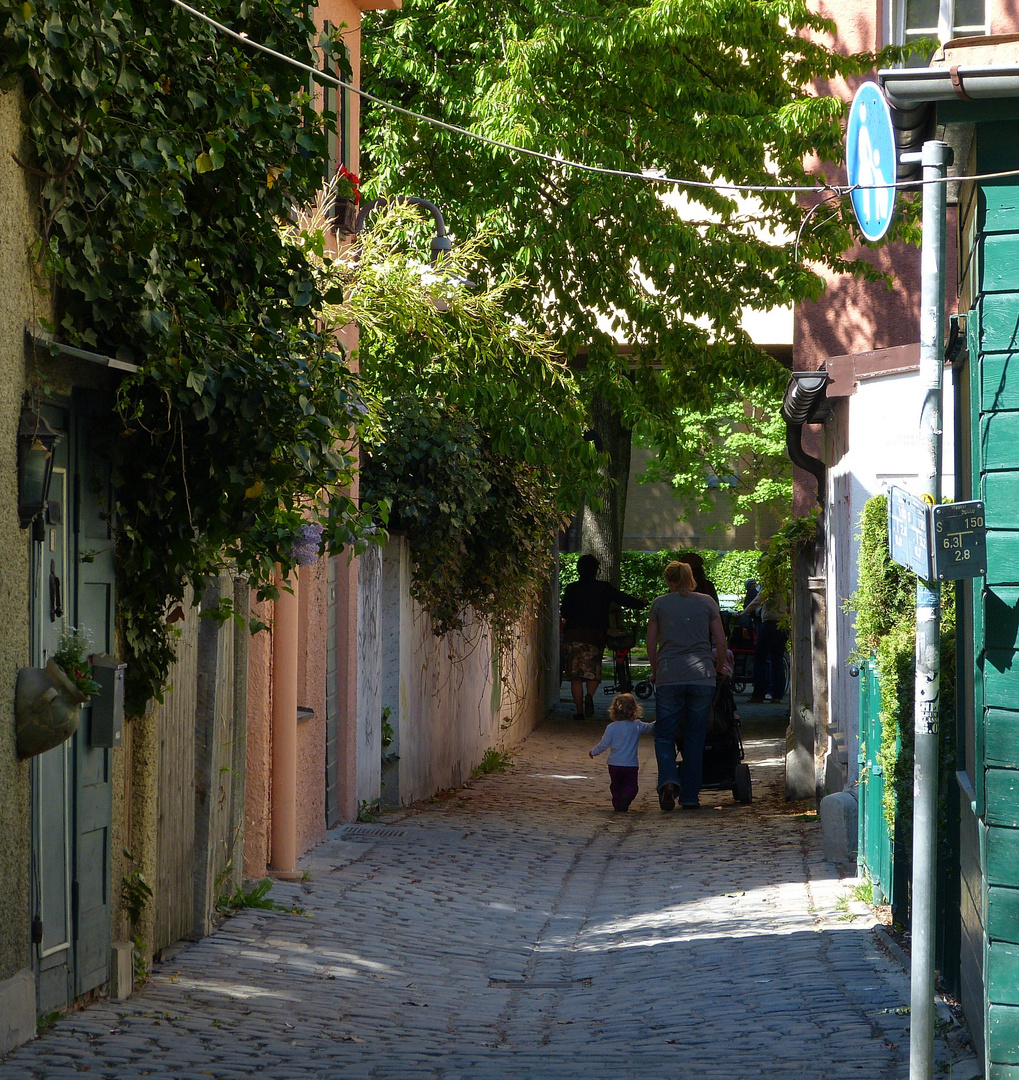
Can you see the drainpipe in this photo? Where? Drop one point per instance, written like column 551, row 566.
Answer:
column 283, row 826
column 805, row 403
column 906, row 88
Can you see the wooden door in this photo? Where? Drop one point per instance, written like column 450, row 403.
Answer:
column 92, row 548
column 72, row 585
column 52, row 772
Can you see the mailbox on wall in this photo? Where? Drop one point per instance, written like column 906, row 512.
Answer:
column 107, row 727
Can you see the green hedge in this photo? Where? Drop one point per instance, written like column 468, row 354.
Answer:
column 641, row 571
column 885, row 607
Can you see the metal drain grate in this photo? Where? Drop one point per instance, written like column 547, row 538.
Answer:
column 366, row 833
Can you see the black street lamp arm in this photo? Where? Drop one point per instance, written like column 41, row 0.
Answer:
column 441, row 243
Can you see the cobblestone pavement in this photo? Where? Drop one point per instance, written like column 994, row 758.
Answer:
column 518, row 928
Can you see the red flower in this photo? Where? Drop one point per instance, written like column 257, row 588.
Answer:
column 347, row 186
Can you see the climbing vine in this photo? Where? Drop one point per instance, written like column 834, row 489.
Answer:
column 479, row 523
column 470, row 402
column 885, row 606
column 776, row 564
column 166, row 159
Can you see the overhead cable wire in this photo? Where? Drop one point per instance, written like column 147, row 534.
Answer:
column 602, row 170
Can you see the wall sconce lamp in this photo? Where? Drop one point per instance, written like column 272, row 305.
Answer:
column 36, row 440
column 441, row 243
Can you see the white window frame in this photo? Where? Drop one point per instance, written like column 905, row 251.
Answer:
column 946, row 29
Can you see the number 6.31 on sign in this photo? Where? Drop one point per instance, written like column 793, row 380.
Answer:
column 960, row 544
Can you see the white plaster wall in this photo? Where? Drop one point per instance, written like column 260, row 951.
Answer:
column 448, row 697
column 880, row 448
column 369, row 674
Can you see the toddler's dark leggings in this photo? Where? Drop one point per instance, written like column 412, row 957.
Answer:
column 623, row 785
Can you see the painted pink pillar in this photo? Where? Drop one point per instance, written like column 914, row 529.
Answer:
column 283, row 824
column 311, row 731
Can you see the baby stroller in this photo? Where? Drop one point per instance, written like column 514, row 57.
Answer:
column 742, row 635
column 724, row 768
column 620, row 642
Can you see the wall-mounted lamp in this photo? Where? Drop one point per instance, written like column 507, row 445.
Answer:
column 36, row 440
column 441, row 243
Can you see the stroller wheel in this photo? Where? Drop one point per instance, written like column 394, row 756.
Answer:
column 742, row 790
column 738, row 686
column 643, row 690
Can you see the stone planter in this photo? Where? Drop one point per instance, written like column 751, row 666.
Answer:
column 47, row 706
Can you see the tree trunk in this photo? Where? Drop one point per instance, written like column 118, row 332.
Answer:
column 602, row 534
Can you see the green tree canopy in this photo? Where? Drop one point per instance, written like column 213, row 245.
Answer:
column 166, row 157
column 707, row 90
column 736, row 445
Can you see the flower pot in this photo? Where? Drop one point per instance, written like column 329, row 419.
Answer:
column 345, row 216
column 47, row 706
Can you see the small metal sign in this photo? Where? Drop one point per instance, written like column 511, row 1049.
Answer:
column 959, row 540
column 938, row 543
column 870, row 161
column 908, row 535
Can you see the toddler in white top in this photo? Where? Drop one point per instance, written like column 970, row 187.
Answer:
column 620, row 739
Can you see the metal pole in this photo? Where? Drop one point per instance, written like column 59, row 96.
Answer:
column 935, row 158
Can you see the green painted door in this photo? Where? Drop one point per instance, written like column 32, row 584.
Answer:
column 52, row 772
column 72, row 793
column 92, row 548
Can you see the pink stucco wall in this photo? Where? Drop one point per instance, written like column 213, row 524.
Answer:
column 1004, row 16
column 312, row 632
column 256, row 802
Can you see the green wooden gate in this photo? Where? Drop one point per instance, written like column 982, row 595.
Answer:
column 876, row 843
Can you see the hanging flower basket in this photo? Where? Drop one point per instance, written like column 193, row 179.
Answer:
column 347, row 194
column 47, row 706
column 345, row 216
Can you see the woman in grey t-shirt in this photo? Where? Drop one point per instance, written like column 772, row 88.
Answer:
column 682, row 628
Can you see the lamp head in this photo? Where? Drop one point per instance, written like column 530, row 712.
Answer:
column 36, row 440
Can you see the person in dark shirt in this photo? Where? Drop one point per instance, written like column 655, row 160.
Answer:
column 585, row 611
column 703, row 584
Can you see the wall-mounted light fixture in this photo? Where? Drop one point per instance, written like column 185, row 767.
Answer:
column 36, row 440
column 440, row 245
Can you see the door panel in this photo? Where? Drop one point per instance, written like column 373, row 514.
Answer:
column 72, row 792
column 52, row 844
column 92, row 545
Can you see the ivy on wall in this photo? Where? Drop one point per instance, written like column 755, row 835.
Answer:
column 478, row 444
column 776, row 565
column 885, row 606
column 166, row 157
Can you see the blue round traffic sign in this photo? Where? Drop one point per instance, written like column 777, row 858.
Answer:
column 870, row 161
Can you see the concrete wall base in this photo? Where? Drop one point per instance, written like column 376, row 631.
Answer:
column 17, row 1010
column 121, row 970
column 839, row 814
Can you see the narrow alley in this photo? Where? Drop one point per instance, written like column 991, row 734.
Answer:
column 519, row 928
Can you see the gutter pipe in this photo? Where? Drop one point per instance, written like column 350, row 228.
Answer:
column 804, row 403
column 906, row 88
column 285, row 662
